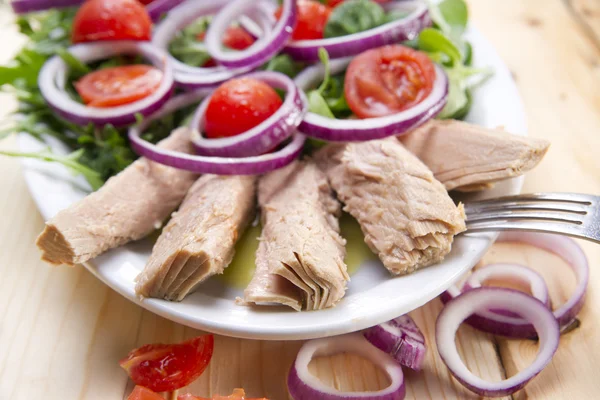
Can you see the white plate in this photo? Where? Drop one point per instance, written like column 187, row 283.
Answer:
column 372, row 297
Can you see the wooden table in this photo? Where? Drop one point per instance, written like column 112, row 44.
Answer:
column 62, row 331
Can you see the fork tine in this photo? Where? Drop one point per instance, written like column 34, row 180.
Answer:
column 578, row 231
column 577, row 198
column 535, row 215
column 575, row 208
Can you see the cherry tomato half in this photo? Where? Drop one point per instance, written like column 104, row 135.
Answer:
column 116, row 86
column 239, row 105
column 387, row 80
column 235, row 38
column 238, row 394
column 142, row 393
column 312, row 18
column 111, row 20
column 167, row 367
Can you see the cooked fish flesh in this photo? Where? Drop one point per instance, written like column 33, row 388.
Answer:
column 406, row 215
column 300, row 258
column 468, row 157
column 199, row 241
column 128, row 207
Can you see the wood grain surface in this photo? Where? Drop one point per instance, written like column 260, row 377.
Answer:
column 62, row 331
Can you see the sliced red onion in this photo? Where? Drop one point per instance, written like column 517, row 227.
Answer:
column 27, row 6
column 401, row 339
column 53, row 77
column 263, row 49
column 482, row 299
column 393, row 32
column 348, row 130
column 187, row 76
column 172, row 105
column 263, row 137
column 160, row 7
column 303, row 385
column 217, row 165
column 515, row 327
column 511, row 273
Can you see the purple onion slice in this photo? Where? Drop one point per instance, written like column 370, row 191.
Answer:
column 481, row 299
column 53, row 77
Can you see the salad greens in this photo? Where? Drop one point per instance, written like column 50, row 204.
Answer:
column 185, row 46
column 354, row 16
column 328, row 99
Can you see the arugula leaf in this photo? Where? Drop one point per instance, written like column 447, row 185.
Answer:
column 285, row 64
column 76, row 67
column 433, row 41
column 71, row 161
column 187, row 48
column 354, row 16
column 318, row 105
column 456, row 15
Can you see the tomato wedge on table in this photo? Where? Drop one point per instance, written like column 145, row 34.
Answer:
column 312, row 18
column 167, row 367
column 387, row 80
column 111, row 20
column 116, row 86
column 239, row 105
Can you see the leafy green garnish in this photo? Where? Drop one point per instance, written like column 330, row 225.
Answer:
column 76, row 67
column 285, row 64
column 71, row 161
column 354, row 16
column 187, row 48
column 328, row 99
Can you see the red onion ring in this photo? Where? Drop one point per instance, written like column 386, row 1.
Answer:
column 401, row 339
column 263, row 49
column 27, row 6
column 218, row 165
column 340, row 130
column 53, row 76
column 303, row 385
column 263, row 137
column 393, row 32
column 159, row 7
column 187, row 76
column 477, row 301
column 513, row 273
column 564, row 247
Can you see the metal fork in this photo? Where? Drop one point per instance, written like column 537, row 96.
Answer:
column 571, row 214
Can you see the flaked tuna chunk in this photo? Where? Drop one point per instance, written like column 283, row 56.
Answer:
column 468, row 157
column 128, row 207
column 199, row 240
column 300, row 257
column 406, row 215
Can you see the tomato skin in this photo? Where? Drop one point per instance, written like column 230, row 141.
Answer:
column 99, row 20
column 239, row 105
column 312, row 18
column 335, row 3
column 167, row 367
column 387, row 80
column 116, row 86
column 237, row 38
column 143, row 393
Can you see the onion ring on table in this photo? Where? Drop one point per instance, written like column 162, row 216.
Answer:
column 478, row 300
column 562, row 246
column 340, row 130
column 263, row 49
column 27, row 6
column 303, row 385
column 401, row 339
column 187, row 76
column 53, row 77
column 343, row 46
column 263, row 137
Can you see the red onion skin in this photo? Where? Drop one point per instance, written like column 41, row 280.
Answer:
column 474, row 298
column 301, row 391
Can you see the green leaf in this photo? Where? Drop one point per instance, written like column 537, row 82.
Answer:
column 76, row 66
column 70, row 161
column 456, row 15
column 318, row 105
column 432, row 40
column 187, row 48
column 324, row 57
column 285, row 64
column 354, row 16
